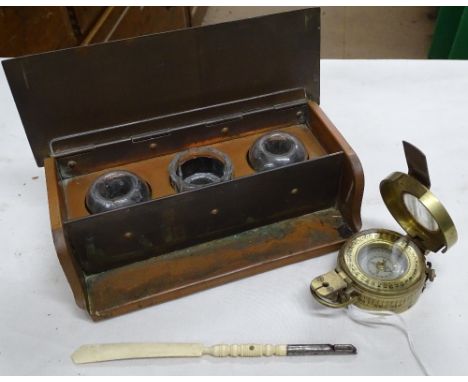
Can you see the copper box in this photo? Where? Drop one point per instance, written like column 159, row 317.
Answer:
column 133, row 104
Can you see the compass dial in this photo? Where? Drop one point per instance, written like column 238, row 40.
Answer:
column 382, row 261
column 377, row 269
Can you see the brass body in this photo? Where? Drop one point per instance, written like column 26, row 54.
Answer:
column 354, row 286
column 349, row 284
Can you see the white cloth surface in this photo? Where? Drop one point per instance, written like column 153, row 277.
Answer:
column 375, row 105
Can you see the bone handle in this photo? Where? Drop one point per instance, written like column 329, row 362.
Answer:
column 245, row 350
column 110, row 352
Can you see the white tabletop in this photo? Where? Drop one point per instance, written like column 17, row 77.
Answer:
column 375, row 104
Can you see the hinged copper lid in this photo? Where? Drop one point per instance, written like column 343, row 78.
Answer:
column 100, row 87
column 415, row 207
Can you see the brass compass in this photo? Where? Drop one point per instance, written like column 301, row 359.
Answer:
column 379, row 269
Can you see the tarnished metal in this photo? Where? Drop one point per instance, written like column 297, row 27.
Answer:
column 320, row 349
column 105, row 87
column 417, row 164
column 162, row 278
column 174, row 133
column 135, row 104
column 162, row 225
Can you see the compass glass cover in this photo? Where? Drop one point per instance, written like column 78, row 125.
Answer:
column 382, row 261
column 419, row 212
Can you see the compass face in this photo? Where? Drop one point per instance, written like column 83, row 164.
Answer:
column 382, row 261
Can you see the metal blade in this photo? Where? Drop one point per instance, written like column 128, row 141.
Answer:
column 320, row 349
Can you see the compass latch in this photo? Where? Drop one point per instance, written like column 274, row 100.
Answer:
column 332, row 289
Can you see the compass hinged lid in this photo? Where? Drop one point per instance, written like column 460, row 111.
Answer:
column 105, row 86
column 415, row 207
